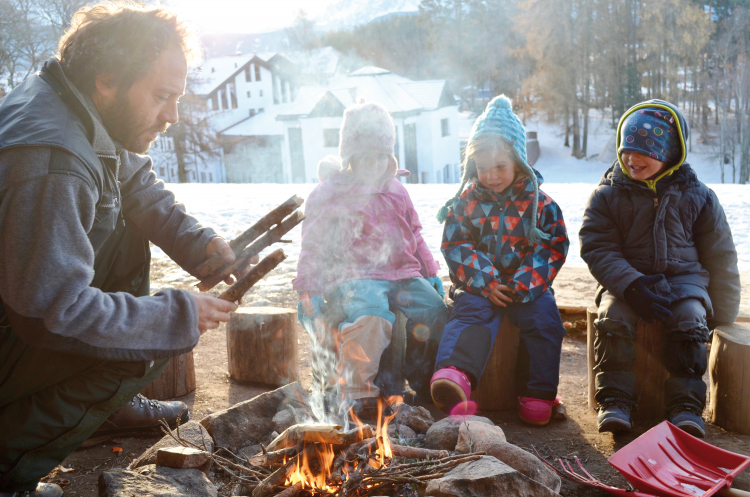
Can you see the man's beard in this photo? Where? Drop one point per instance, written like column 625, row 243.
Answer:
column 127, row 127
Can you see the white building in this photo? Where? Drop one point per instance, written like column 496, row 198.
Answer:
column 288, row 141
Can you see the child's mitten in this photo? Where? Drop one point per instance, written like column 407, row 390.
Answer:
column 437, row 284
column 311, row 306
column 648, row 305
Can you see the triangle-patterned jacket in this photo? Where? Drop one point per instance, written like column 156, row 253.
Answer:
column 470, row 246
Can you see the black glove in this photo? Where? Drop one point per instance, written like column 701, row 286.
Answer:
column 648, row 305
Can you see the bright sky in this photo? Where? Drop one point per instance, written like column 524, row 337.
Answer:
column 244, row 16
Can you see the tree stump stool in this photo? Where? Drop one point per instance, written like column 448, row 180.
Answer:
column 262, row 345
column 650, row 342
column 729, row 369
column 496, row 390
column 178, row 379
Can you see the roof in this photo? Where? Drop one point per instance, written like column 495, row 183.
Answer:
column 214, row 72
column 261, row 124
column 399, row 95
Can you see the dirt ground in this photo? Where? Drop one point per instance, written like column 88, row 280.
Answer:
column 576, row 436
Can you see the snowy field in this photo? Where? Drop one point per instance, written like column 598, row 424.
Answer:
column 232, row 208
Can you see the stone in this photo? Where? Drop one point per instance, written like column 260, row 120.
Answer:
column 289, row 416
column 251, row 421
column 192, row 431
column 443, row 435
column 417, row 418
column 182, row 458
column 155, row 481
column 397, row 431
column 486, row 477
column 479, row 437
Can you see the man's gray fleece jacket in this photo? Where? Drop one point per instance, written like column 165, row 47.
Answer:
column 64, row 187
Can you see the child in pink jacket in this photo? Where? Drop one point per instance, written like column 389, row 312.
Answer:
column 363, row 255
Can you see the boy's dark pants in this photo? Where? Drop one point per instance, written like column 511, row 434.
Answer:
column 684, row 356
column 50, row 402
column 470, row 334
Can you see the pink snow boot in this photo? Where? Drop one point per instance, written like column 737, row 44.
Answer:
column 449, row 386
column 536, row 411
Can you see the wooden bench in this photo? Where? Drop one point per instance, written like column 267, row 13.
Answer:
column 262, row 345
column 729, row 370
column 176, row 380
column 649, row 369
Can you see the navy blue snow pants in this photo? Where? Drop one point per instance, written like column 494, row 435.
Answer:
column 470, row 334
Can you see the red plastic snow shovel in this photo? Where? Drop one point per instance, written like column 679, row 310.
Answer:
column 668, row 462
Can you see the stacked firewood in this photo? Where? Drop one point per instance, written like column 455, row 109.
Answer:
column 268, row 230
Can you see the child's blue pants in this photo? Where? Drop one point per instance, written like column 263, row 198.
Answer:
column 426, row 315
column 470, row 334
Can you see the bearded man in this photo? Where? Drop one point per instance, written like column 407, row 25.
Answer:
column 80, row 335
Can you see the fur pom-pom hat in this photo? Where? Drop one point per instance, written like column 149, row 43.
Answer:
column 327, row 167
column 367, row 128
column 498, row 119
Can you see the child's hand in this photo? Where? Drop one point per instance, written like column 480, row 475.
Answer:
column 499, row 298
column 311, row 305
column 437, row 284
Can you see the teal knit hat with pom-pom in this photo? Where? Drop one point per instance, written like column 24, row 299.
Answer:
column 498, row 119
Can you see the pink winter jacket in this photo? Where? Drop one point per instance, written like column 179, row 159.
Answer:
column 354, row 232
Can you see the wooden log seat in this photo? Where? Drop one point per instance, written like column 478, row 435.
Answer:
column 729, row 370
column 178, row 379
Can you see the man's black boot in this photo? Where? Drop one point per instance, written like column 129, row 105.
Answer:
column 42, row 490
column 140, row 416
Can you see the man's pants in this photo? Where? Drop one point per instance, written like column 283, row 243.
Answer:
column 470, row 334
column 366, row 327
column 684, row 355
column 50, row 402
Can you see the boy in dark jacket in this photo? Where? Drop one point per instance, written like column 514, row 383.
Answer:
column 657, row 241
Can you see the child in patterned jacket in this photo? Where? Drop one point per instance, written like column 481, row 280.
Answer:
column 363, row 256
column 504, row 242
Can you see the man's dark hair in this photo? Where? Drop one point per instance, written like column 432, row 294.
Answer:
column 121, row 38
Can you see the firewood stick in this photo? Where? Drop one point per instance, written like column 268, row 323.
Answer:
column 208, row 267
column 292, row 491
column 417, row 453
column 269, row 238
column 235, row 292
column 272, row 458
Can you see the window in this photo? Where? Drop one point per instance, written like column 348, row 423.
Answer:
column 214, row 103
column 257, row 72
column 172, row 173
column 247, row 74
column 261, row 93
column 252, row 112
column 161, row 172
column 223, row 96
column 445, row 127
column 203, row 177
column 211, row 177
column 232, row 95
column 261, row 110
column 248, row 95
column 330, row 138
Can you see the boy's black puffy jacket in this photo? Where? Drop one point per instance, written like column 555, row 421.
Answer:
column 677, row 229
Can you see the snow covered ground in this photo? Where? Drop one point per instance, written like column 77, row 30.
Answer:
column 232, row 208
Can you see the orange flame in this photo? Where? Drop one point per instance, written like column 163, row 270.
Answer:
column 304, row 473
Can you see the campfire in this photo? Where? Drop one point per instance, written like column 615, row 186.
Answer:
column 326, row 460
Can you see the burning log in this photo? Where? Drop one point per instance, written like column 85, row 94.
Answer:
column 278, row 478
column 418, row 453
column 274, row 217
column 235, row 292
column 295, row 489
column 294, row 435
column 269, row 238
column 273, row 458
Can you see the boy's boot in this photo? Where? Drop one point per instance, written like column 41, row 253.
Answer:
column 688, row 419
column 614, row 415
column 361, row 345
column 42, row 490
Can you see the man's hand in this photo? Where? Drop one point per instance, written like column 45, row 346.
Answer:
column 212, row 311
column 220, row 246
column 499, row 295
